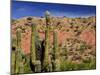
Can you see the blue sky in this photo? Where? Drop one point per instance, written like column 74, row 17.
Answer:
column 23, row 9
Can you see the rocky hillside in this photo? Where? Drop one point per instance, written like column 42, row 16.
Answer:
column 81, row 28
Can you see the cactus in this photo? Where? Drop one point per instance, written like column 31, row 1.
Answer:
column 33, row 36
column 56, row 61
column 13, row 55
column 33, row 49
column 57, row 65
column 47, row 60
column 13, row 62
column 37, row 66
column 18, row 54
column 33, row 57
column 56, row 52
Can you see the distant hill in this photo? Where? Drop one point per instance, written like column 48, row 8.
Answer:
column 81, row 28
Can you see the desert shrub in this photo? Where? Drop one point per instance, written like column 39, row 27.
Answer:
column 87, row 66
column 93, row 65
column 27, row 68
column 67, row 30
column 88, row 60
column 83, row 46
column 78, row 33
column 13, row 20
column 69, row 66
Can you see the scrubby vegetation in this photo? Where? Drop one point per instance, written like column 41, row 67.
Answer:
column 51, row 44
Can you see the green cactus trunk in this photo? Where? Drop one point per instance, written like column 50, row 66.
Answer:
column 47, row 60
column 18, row 56
column 33, row 49
column 13, row 57
column 33, row 58
column 56, row 62
column 56, row 53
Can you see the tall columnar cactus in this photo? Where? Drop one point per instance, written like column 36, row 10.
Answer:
column 33, row 58
column 56, row 61
column 33, row 49
column 18, row 53
column 47, row 60
column 13, row 55
column 56, row 52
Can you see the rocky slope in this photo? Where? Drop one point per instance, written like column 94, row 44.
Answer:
column 75, row 34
